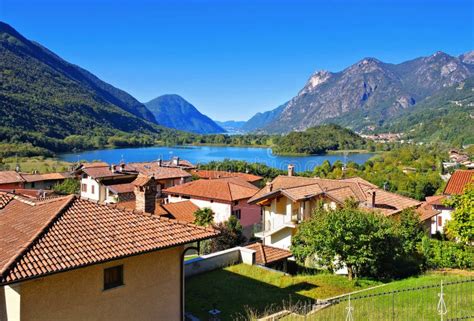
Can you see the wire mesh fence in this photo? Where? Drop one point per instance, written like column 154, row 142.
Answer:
column 445, row 301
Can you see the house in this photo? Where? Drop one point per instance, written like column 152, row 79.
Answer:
column 11, row 180
column 433, row 213
column 289, row 200
column 71, row 259
column 213, row 174
column 43, row 181
column 112, row 184
column 269, row 256
column 224, row 196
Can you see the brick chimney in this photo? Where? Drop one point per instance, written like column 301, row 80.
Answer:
column 270, row 186
column 291, row 170
column 176, row 161
column 145, row 190
column 372, row 198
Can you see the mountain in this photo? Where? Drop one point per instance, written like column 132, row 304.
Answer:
column 446, row 116
column 175, row 112
column 48, row 97
column 369, row 93
column 260, row 120
column 232, row 126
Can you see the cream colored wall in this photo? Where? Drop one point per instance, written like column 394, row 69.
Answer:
column 151, row 292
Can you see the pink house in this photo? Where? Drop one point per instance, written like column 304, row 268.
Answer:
column 224, row 196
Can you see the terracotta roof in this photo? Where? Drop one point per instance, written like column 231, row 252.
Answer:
column 159, row 172
column 8, row 177
column 183, row 211
column 458, row 181
column 223, row 189
column 40, row 238
column 94, row 164
column 30, row 192
column 427, row 211
column 121, row 188
column 44, row 177
column 130, row 205
column 268, row 254
column 101, row 172
column 212, row 174
column 182, row 163
column 143, row 180
column 300, row 188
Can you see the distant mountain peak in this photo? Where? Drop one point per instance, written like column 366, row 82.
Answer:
column 172, row 110
column 467, row 57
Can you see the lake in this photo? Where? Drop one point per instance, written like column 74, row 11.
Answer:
column 205, row 154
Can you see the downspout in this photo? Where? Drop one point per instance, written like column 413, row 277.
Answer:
column 182, row 278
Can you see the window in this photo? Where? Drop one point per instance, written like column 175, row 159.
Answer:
column 440, row 221
column 33, row 185
column 84, row 188
column 113, row 277
column 92, row 189
column 237, row 213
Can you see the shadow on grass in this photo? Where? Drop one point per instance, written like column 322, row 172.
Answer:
column 233, row 294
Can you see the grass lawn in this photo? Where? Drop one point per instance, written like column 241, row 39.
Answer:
column 237, row 287
column 190, row 257
column 41, row 164
column 419, row 304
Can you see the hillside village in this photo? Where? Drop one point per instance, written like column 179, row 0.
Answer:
column 126, row 216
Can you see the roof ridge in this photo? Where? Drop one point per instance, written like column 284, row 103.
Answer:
column 33, row 240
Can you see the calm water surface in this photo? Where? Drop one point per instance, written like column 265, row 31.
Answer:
column 205, row 154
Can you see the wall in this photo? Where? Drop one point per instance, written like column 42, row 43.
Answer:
column 43, row 184
column 221, row 211
column 218, row 260
column 445, row 216
column 250, row 214
column 11, row 185
column 89, row 181
column 151, row 292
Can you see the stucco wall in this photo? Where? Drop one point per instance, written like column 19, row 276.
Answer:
column 445, row 217
column 88, row 194
column 221, row 211
column 250, row 214
column 151, row 292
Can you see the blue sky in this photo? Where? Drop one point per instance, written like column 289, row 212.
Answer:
column 232, row 59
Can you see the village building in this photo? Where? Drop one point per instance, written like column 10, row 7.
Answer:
column 10, row 180
column 213, row 174
column 289, row 200
column 114, row 183
column 224, row 196
column 433, row 211
column 92, row 261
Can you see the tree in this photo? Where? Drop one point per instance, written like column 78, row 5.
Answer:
column 461, row 225
column 204, row 217
column 68, row 186
column 230, row 236
column 361, row 241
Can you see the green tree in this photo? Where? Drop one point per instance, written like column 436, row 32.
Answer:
column 230, row 236
column 204, row 217
column 361, row 241
column 68, row 186
column 461, row 225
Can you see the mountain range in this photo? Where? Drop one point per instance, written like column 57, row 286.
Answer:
column 368, row 94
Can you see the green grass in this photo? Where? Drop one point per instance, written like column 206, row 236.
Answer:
column 190, row 257
column 419, row 304
column 38, row 163
column 237, row 288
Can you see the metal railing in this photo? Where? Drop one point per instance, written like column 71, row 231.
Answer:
column 444, row 301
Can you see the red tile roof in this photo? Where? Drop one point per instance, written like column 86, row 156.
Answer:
column 9, row 177
column 183, row 211
column 301, row 188
column 101, row 172
column 40, row 238
column 159, row 172
column 268, row 254
column 44, row 177
column 121, row 188
column 458, row 181
column 222, row 189
column 212, row 174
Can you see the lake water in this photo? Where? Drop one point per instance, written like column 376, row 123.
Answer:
column 205, row 154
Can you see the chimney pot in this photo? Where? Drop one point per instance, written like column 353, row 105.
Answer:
column 270, row 186
column 291, row 170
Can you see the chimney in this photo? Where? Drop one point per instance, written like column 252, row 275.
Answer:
column 160, row 162
column 176, row 161
column 145, row 193
column 112, row 168
column 291, row 170
column 372, row 198
column 122, row 167
column 270, row 186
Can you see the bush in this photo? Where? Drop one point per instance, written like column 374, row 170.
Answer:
column 69, row 186
column 447, row 254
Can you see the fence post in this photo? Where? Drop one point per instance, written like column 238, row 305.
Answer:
column 349, row 309
column 441, row 308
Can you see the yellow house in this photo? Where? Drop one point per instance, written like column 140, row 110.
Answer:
column 72, row 259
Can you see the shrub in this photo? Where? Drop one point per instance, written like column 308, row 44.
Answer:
column 447, row 254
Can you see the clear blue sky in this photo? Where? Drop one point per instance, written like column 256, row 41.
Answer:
column 234, row 58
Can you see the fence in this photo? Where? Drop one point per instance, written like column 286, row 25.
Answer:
column 448, row 301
